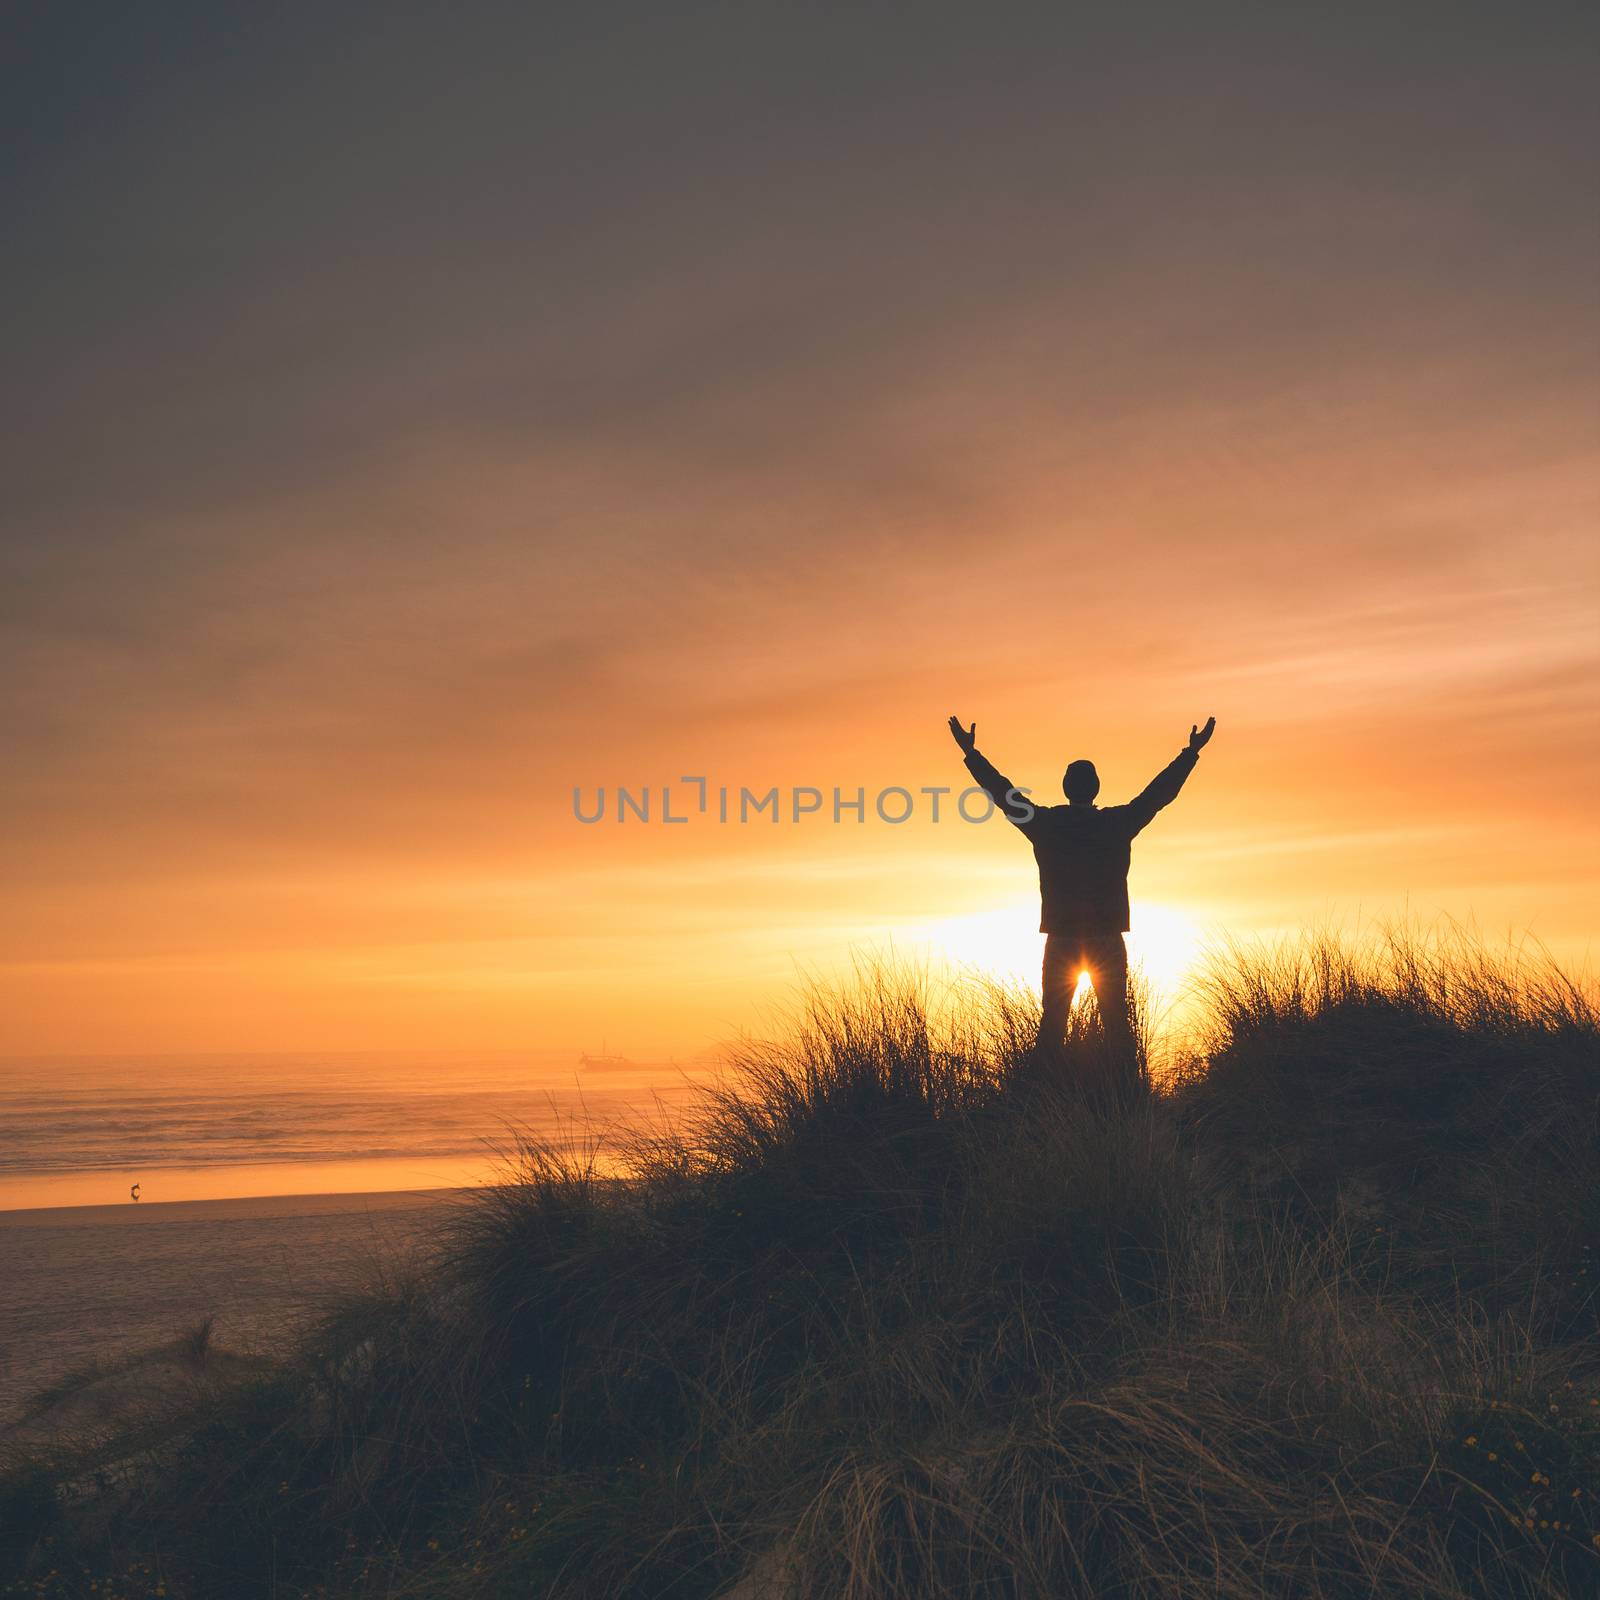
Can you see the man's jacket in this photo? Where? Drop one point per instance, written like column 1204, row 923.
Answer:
column 1082, row 851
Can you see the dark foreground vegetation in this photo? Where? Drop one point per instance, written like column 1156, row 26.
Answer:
column 902, row 1314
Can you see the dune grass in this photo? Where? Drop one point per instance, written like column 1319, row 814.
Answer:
column 902, row 1311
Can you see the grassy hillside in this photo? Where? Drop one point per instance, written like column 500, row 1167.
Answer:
column 904, row 1312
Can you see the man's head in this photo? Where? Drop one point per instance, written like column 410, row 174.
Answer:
column 1081, row 783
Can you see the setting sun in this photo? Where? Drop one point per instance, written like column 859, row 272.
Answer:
column 1006, row 943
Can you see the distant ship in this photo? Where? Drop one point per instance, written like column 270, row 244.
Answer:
column 605, row 1063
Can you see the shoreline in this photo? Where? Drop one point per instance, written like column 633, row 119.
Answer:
column 107, row 1191
column 218, row 1208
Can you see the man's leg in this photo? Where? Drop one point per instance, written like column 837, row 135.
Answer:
column 1107, row 960
column 1060, row 979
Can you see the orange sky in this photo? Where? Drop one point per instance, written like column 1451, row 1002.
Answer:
column 413, row 424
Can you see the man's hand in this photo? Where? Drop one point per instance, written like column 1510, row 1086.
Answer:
column 1198, row 737
column 967, row 738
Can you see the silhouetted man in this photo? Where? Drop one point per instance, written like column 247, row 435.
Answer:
column 1083, row 853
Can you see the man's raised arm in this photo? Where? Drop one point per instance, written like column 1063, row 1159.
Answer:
column 1163, row 790
column 998, row 787
column 1167, row 783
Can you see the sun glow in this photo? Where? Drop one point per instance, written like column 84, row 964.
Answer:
column 1006, row 944
column 1163, row 944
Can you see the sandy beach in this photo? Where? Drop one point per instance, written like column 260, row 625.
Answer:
column 91, row 1284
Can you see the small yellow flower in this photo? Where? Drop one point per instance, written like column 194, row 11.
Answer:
column 1472, row 1438
column 1519, row 1444
column 1494, row 1455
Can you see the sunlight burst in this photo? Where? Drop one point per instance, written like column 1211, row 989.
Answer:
column 1006, row 943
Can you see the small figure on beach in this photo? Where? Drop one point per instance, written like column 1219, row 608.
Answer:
column 133, row 1193
column 1083, row 852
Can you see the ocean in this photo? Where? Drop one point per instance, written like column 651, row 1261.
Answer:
column 267, row 1184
